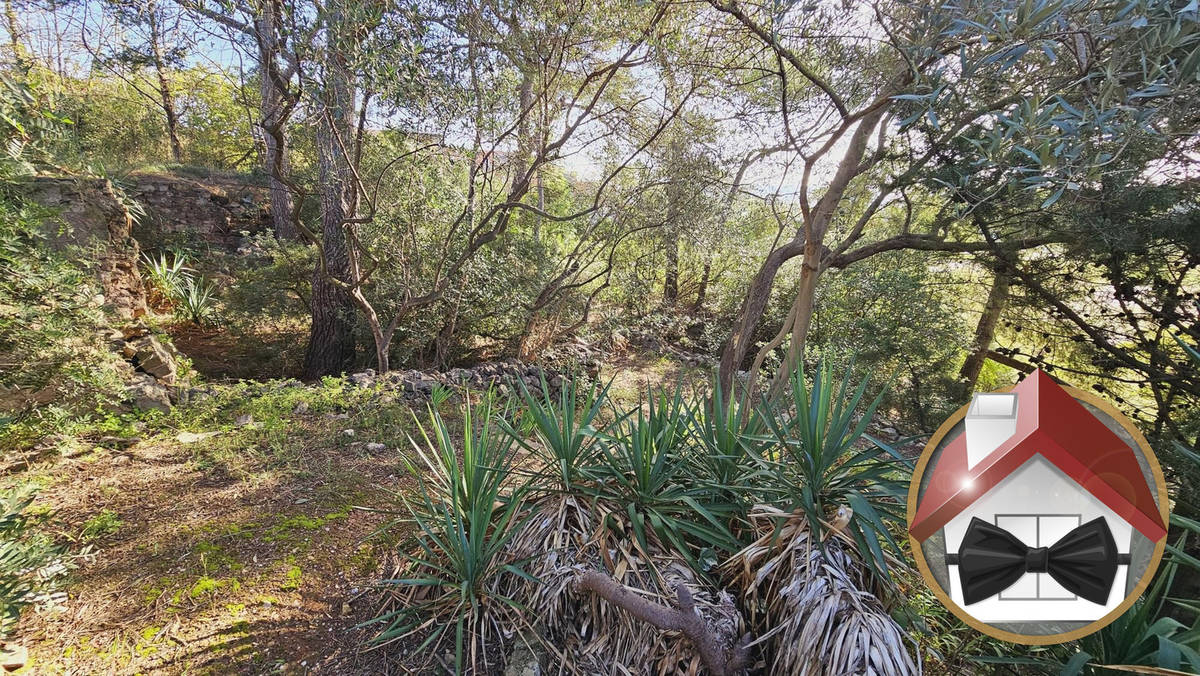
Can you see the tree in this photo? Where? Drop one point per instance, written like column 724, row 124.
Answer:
column 461, row 58
column 331, row 337
column 152, row 38
column 264, row 24
column 1031, row 101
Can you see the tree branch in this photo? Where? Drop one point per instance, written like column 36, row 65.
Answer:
column 720, row 660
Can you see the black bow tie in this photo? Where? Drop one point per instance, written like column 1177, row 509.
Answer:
column 991, row 559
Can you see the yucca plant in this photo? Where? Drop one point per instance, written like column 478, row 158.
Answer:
column 466, row 510
column 814, row 575
column 197, row 301
column 167, row 277
column 820, row 464
column 646, row 468
column 564, row 427
column 580, row 520
column 730, row 440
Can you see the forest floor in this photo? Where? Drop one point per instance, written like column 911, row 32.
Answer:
column 218, row 556
column 237, row 535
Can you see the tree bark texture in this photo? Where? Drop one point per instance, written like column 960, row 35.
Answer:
column 721, row 655
column 166, row 96
column 985, row 330
column 737, row 347
column 271, row 103
column 331, row 338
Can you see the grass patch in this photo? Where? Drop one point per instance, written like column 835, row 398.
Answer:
column 292, row 579
column 100, row 525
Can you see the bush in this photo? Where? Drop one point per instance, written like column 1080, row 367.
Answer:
column 31, row 564
column 52, row 368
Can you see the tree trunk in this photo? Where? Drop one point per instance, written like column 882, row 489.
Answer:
column 271, row 102
column 166, row 99
column 331, row 339
column 671, row 283
column 810, row 240
column 702, row 291
column 801, row 314
column 985, row 330
column 737, row 347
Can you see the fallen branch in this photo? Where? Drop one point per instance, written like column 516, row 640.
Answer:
column 718, row 657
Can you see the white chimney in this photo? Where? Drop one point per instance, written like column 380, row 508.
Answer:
column 991, row 419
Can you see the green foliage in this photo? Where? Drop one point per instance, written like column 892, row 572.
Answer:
column 101, row 525
column 896, row 315
column 645, row 469
column 564, row 427
column 27, row 126
column 816, row 465
column 197, row 302
column 731, row 443
column 166, row 277
column 194, row 298
column 52, row 368
column 466, row 510
column 30, row 563
column 119, row 129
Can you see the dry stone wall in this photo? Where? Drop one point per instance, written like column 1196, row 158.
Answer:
column 213, row 209
column 96, row 218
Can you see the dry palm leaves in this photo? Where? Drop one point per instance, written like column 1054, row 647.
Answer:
column 814, row 600
column 569, row 537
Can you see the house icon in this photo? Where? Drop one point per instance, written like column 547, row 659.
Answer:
column 1037, row 464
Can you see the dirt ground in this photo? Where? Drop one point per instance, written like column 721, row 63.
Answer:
column 206, row 562
column 239, row 535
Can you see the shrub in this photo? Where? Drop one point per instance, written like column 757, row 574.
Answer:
column 30, row 563
column 165, row 279
column 52, row 367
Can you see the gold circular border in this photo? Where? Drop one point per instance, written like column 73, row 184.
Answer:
column 1041, row 639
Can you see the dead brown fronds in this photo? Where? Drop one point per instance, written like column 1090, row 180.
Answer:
column 817, row 602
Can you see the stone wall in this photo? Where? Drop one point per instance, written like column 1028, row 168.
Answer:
column 96, row 219
column 217, row 210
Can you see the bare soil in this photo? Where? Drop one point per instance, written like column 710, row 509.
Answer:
column 219, row 564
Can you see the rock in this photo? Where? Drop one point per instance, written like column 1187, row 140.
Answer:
column 119, row 460
column 154, row 359
column 193, row 437
column 147, row 393
column 301, row 408
column 363, row 378
column 376, row 447
column 98, row 219
column 131, row 331
column 337, row 416
column 243, row 420
column 348, row 433
column 13, row 657
column 193, row 395
column 524, row 661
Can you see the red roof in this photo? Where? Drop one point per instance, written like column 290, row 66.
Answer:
column 1050, row 422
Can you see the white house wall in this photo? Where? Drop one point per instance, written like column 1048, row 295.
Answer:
column 1037, row 488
